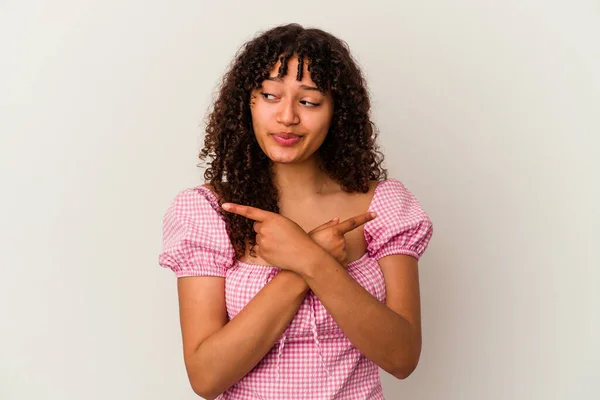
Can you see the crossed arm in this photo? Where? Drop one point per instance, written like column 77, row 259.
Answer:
column 218, row 353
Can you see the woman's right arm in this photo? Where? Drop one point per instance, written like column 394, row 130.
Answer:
column 218, row 353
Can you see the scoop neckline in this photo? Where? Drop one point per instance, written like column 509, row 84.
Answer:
column 351, row 263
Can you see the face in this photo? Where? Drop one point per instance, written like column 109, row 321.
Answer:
column 290, row 118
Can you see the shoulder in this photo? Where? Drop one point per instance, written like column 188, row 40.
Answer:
column 389, row 185
column 195, row 240
column 401, row 226
column 392, row 194
column 194, row 196
column 194, row 205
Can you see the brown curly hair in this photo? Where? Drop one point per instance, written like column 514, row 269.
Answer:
column 238, row 169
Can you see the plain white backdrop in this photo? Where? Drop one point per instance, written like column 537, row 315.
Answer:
column 488, row 111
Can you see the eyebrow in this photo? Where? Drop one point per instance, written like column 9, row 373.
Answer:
column 305, row 87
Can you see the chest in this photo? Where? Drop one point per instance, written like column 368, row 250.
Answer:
column 313, row 213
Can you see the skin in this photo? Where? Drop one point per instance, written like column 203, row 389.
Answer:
column 311, row 247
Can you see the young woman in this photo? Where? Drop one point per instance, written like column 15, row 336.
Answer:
column 297, row 260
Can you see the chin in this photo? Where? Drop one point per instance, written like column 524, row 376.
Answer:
column 283, row 160
column 283, row 157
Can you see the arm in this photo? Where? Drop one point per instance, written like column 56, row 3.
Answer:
column 388, row 334
column 218, row 353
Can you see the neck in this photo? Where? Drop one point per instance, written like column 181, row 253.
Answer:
column 302, row 180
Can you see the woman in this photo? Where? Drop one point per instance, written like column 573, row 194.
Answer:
column 278, row 298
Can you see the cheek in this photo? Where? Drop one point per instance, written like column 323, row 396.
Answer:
column 261, row 116
column 320, row 124
column 322, row 120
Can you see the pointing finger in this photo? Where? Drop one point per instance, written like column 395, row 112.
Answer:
column 252, row 213
column 325, row 225
column 354, row 222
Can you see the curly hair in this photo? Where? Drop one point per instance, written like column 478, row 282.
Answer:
column 238, row 169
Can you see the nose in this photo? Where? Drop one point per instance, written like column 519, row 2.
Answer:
column 287, row 114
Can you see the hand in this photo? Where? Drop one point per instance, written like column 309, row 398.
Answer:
column 279, row 241
column 330, row 236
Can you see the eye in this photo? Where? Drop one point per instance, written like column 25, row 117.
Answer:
column 266, row 96
column 309, row 103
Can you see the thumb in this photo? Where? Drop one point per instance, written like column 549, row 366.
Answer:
column 333, row 222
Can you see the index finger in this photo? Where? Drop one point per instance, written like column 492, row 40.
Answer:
column 249, row 212
column 354, row 222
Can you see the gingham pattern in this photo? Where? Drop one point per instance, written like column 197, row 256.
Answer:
column 312, row 359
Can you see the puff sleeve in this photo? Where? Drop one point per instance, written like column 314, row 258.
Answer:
column 401, row 226
column 195, row 240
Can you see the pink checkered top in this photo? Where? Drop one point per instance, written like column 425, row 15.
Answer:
column 312, row 359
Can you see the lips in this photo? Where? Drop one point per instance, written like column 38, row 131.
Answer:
column 286, row 139
column 286, row 135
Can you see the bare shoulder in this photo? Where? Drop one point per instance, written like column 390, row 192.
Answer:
column 368, row 195
column 373, row 185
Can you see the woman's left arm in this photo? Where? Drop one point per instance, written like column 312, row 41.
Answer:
column 388, row 334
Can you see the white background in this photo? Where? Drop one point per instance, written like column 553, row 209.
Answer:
column 489, row 112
